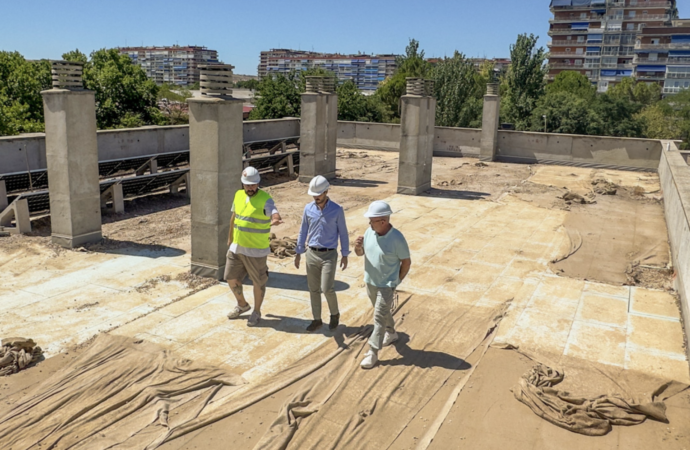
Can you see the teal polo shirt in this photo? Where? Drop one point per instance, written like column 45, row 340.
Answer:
column 382, row 256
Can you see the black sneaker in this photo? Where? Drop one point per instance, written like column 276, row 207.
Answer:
column 314, row 325
column 335, row 320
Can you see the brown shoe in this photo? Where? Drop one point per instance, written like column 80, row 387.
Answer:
column 314, row 325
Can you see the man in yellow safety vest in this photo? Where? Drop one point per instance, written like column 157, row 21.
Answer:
column 253, row 214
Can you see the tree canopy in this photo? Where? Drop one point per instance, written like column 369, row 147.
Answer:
column 21, row 83
column 525, row 80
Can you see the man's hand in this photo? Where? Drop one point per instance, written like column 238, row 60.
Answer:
column 359, row 246
column 276, row 220
column 297, row 260
column 343, row 262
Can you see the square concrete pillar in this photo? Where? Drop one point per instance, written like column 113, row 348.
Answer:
column 72, row 159
column 490, row 117
column 3, row 195
column 318, row 132
column 417, row 122
column 215, row 142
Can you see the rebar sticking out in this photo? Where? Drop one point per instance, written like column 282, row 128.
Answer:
column 215, row 81
column 67, row 75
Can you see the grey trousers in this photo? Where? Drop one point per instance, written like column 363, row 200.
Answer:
column 321, row 268
column 382, row 299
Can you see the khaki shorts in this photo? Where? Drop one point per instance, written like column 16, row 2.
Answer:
column 238, row 266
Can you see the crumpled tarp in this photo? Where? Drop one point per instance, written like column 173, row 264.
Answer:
column 17, row 354
column 593, row 416
column 119, row 394
column 283, row 248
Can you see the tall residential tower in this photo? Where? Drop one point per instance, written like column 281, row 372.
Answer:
column 175, row 65
column 597, row 37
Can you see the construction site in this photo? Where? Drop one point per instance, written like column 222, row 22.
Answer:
column 546, row 306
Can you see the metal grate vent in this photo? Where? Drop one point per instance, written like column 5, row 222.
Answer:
column 67, row 75
column 216, row 81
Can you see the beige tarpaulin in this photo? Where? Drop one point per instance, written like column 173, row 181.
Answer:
column 593, row 416
column 118, row 394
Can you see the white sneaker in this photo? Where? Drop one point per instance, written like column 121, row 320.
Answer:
column 235, row 313
column 254, row 319
column 389, row 338
column 370, row 360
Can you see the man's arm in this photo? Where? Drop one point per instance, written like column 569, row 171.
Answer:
column 301, row 238
column 359, row 246
column 232, row 227
column 270, row 210
column 404, row 268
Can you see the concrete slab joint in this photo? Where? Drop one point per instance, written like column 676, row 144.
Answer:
column 216, row 143
column 318, row 130
column 72, row 161
column 417, row 125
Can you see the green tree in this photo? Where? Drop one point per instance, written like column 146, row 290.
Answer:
column 525, row 81
column 248, row 84
column 355, row 106
column 124, row 95
column 617, row 117
column 565, row 113
column 278, row 96
column 459, row 89
column 630, row 89
column 574, row 83
column 21, row 83
column 411, row 64
column 661, row 123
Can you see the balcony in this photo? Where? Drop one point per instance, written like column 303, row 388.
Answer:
column 567, row 66
column 641, row 18
column 657, row 77
column 638, row 60
column 560, row 32
column 665, row 46
column 566, row 55
column 590, row 18
column 565, row 43
column 677, row 75
column 672, row 89
column 616, row 66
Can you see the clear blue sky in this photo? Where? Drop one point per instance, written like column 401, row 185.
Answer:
column 239, row 30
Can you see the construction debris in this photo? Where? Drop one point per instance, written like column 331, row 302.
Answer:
column 589, row 416
column 577, row 198
column 283, row 248
column 17, row 354
column 604, row 187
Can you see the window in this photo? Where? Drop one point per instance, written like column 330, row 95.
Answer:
column 569, row 38
column 567, row 50
column 645, row 12
column 633, row 2
column 579, row 51
column 655, row 41
column 653, row 56
column 578, row 62
column 583, row 15
column 631, row 14
column 641, row 26
column 580, row 39
column 630, row 26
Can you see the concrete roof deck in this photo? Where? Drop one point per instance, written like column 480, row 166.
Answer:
column 468, row 251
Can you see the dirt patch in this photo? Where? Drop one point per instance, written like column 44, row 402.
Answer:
column 152, row 283
column 194, row 282
column 649, row 276
column 85, row 306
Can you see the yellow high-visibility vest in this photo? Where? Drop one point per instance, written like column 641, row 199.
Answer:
column 252, row 225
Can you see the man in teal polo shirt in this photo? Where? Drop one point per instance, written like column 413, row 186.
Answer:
column 387, row 262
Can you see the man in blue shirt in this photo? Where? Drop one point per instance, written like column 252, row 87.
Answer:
column 386, row 263
column 323, row 224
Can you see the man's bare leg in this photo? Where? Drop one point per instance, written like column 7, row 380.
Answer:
column 236, row 288
column 259, row 293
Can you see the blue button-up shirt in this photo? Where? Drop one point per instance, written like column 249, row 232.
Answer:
column 322, row 229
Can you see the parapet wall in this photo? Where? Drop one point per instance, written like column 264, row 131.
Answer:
column 674, row 175
column 516, row 146
column 29, row 150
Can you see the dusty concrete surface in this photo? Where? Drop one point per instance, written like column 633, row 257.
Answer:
column 485, row 235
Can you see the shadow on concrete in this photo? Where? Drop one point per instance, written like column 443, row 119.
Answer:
column 423, row 358
column 144, row 205
column 129, row 248
column 458, row 195
column 293, row 282
column 348, row 182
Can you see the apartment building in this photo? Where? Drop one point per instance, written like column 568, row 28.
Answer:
column 597, row 37
column 662, row 55
column 367, row 71
column 175, row 64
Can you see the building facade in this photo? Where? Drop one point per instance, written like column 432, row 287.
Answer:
column 597, row 38
column 662, row 55
column 366, row 71
column 174, row 65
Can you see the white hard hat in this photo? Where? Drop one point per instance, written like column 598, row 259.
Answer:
column 250, row 176
column 318, row 185
column 379, row 209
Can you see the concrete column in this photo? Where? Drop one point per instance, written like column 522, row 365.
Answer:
column 72, row 159
column 417, row 122
column 490, row 117
column 318, row 130
column 215, row 142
